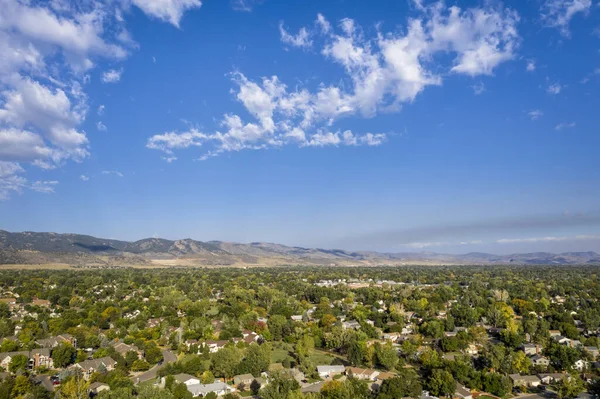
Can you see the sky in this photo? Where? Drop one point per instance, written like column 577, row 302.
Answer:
column 387, row 125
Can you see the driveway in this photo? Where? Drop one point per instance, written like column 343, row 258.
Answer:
column 169, row 357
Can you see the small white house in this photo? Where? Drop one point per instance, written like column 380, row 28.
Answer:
column 330, row 371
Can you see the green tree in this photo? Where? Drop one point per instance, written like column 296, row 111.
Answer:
column 407, row 384
column 281, row 386
column 386, row 355
column 569, row 387
column 224, row 363
column 18, row 363
column 64, row 355
column 441, row 383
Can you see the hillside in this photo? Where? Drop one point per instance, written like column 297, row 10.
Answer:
column 83, row 250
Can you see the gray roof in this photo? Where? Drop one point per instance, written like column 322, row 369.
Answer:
column 182, row 377
column 95, row 364
column 203, row 389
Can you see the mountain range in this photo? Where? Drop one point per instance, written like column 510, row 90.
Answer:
column 31, row 248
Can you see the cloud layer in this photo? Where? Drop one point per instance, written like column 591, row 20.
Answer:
column 384, row 72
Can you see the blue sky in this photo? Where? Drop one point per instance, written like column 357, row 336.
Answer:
column 382, row 125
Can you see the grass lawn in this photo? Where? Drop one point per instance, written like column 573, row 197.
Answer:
column 320, row 359
column 278, row 355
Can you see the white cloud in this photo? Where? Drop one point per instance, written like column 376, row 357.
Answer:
column 554, row 89
column 384, row 72
column 323, row 24
column 167, row 10
column 565, row 125
column 101, row 109
column 421, row 245
column 535, row 114
column 478, row 88
column 530, row 66
column 84, row 177
column 558, row 13
column 112, row 172
column 101, row 126
column 301, row 39
column 112, row 76
column 43, row 186
column 546, row 239
column 244, row 5
column 47, row 51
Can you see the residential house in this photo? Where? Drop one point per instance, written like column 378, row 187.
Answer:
column 41, row 302
column 186, row 379
column 531, row 349
column 214, row 346
column 362, row 374
column 549, row 378
column 243, row 379
column 97, row 387
column 592, row 350
column 37, row 358
column 330, row 371
column 53, row 342
column 122, row 348
column 351, row 325
column 462, row 392
column 296, row 317
column 88, row 367
column 524, row 380
column 540, row 361
column 554, row 333
column 153, row 323
column 581, row 364
column 219, row 388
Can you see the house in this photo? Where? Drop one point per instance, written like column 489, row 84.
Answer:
column 581, row 364
column 41, row 302
column 214, row 346
column 186, row 379
column 531, row 349
column 592, row 350
column 153, row 323
column 394, row 336
column 97, row 387
column 53, row 342
column 351, row 325
column 524, row 380
column 243, row 379
column 540, row 361
column 122, row 348
column 37, row 358
column 472, row 350
column 549, row 378
column 554, row 333
column 219, row 388
column 296, row 317
column 88, row 367
column 362, row 374
column 462, row 392
column 330, row 371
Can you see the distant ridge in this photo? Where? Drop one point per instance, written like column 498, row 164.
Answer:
column 84, row 250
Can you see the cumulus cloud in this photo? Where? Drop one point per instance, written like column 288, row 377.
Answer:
column 112, row 76
column 167, row 10
column 47, row 51
column 558, row 13
column 84, row 177
column 301, row 39
column 384, row 72
column 554, row 88
column 530, row 67
column 101, row 126
column 100, row 110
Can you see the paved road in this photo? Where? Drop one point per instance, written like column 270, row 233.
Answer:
column 169, row 357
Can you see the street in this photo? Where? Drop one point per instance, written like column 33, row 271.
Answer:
column 169, row 357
